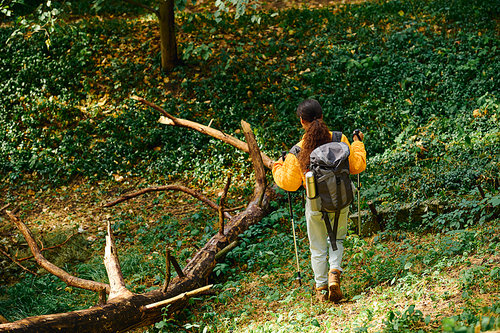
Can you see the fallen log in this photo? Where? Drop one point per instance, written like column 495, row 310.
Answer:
column 125, row 311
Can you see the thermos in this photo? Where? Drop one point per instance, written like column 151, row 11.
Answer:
column 310, row 185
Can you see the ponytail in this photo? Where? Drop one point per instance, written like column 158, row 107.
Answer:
column 316, row 135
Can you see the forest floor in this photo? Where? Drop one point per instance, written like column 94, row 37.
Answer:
column 264, row 299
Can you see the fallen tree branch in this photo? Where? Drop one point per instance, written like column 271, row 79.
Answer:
column 47, row 248
column 18, row 264
column 258, row 165
column 181, row 188
column 122, row 313
column 171, row 120
column 183, row 296
column 50, row 267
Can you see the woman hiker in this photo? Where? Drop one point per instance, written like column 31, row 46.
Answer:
column 290, row 174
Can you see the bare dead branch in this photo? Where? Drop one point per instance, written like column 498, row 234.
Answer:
column 260, row 171
column 171, row 120
column 5, row 207
column 18, row 264
column 50, row 267
column 48, row 248
column 178, row 269
column 3, row 320
column 112, row 265
column 167, row 270
column 221, row 205
column 181, row 188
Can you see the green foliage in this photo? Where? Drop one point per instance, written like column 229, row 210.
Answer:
column 407, row 321
column 487, row 319
column 399, row 79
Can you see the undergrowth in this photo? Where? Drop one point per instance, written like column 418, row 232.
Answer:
column 420, row 79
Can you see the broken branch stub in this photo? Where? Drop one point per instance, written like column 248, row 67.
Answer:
column 113, row 268
column 167, row 270
column 222, row 202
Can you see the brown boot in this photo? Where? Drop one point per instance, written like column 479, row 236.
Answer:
column 322, row 294
column 335, row 294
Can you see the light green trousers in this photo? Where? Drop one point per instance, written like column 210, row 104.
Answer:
column 319, row 243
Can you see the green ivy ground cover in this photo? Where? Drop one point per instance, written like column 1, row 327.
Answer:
column 408, row 74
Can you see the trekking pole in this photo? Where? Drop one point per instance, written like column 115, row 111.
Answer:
column 299, row 278
column 359, row 211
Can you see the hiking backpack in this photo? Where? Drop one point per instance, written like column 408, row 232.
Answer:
column 329, row 164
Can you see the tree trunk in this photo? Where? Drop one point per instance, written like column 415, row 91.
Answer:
column 168, row 42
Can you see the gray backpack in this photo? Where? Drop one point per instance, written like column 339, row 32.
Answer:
column 329, row 163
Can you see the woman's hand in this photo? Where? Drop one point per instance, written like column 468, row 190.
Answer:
column 357, row 135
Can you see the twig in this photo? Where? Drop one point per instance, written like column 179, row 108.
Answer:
column 47, row 248
column 167, row 270
column 176, row 298
column 4, row 207
column 234, row 209
column 178, row 269
column 15, row 262
column 225, row 250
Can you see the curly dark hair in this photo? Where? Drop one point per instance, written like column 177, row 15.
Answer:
column 317, row 134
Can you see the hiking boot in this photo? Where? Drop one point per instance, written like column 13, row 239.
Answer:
column 335, row 294
column 322, row 294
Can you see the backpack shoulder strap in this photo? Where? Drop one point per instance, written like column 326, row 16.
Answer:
column 295, row 150
column 336, row 136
